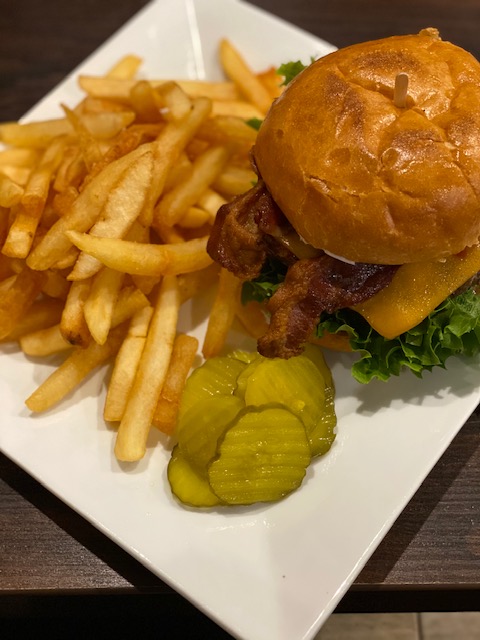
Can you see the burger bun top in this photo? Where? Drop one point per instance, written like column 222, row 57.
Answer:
column 364, row 179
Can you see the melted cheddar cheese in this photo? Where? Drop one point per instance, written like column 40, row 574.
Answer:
column 416, row 290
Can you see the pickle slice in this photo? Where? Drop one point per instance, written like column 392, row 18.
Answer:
column 244, row 356
column 295, row 383
column 315, row 354
column 244, row 376
column 262, row 457
column 322, row 436
column 200, row 427
column 217, row 376
column 186, row 484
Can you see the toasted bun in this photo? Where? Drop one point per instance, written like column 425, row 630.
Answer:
column 369, row 181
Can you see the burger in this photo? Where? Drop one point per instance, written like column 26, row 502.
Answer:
column 362, row 230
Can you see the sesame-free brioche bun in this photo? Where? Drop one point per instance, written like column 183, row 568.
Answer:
column 369, row 181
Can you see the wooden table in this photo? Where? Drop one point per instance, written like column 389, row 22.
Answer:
column 54, row 566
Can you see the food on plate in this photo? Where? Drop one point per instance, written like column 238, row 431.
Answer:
column 105, row 214
column 249, row 427
column 362, row 230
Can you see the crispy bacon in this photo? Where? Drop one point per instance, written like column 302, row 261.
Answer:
column 312, row 286
column 252, row 227
column 243, row 233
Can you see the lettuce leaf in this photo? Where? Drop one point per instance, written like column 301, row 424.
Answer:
column 453, row 328
column 290, row 69
column 263, row 287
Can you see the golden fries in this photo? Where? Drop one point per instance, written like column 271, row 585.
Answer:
column 126, row 364
column 17, row 298
column 183, row 355
column 150, row 376
column 10, row 192
column 145, row 259
column 105, row 216
column 122, row 208
column 240, row 73
column 72, row 371
column 222, row 313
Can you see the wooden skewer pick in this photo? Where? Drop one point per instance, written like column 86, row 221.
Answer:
column 400, row 91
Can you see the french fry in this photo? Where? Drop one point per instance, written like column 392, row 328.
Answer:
column 123, row 206
column 34, row 134
column 205, row 169
column 145, row 259
column 89, row 146
column 272, row 81
column 253, row 319
column 126, row 365
column 17, row 298
column 44, row 342
column 72, row 371
column 144, row 102
column 125, row 68
column 234, row 181
column 239, row 72
column 168, row 147
column 19, row 175
column 222, row 313
column 175, row 102
column 119, row 89
column 179, row 171
column 152, row 370
column 72, row 170
column 6, row 268
column 130, row 300
column 10, row 192
column 41, row 340
column 43, row 313
column 107, row 125
column 222, row 129
column 22, row 231
column 183, row 355
column 73, row 325
column 100, row 302
column 18, row 157
column 196, row 283
column 194, row 218
column 83, row 214
column 211, row 201
column 238, row 108
column 55, row 285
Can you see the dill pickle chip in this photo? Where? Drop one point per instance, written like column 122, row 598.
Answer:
column 322, row 436
column 315, row 354
column 186, row 484
column 244, row 356
column 216, row 376
column 200, row 427
column 296, row 383
column 244, row 376
column 262, row 457
column 299, row 384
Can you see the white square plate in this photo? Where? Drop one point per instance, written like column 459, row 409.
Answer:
column 268, row 571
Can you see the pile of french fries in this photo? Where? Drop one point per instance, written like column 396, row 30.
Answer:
column 104, row 218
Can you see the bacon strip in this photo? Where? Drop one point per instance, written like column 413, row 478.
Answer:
column 242, row 235
column 312, row 286
column 252, row 227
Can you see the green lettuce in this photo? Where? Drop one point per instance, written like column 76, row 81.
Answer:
column 290, row 69
column 453, row 328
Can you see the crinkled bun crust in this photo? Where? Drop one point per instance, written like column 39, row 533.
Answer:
column 369, row 181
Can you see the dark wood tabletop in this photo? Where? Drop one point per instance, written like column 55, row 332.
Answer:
column 57, row 572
